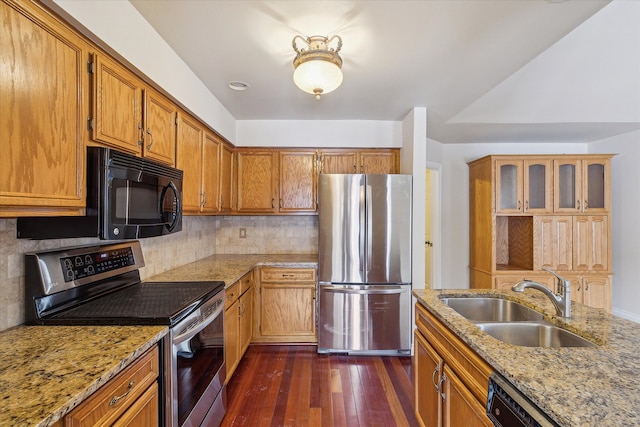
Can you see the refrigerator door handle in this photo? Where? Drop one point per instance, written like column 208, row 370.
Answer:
column 368, row 291
column 362, row 232
column 369, row 225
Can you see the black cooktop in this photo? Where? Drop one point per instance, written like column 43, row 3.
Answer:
column 144, row 303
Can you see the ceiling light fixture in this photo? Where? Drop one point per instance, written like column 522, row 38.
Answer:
column 318, row 66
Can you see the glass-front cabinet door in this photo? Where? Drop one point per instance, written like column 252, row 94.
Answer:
column 581, row 185
column 509, row 180
column 537, row 186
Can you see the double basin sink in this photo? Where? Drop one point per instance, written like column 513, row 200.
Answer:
column 514, row 323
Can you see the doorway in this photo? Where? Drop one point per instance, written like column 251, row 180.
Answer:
column 432, row 250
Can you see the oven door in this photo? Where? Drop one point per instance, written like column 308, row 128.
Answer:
column 196, row 393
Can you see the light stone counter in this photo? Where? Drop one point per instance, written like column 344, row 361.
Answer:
column 45, row 371
column 574, row 386
column 230, row 268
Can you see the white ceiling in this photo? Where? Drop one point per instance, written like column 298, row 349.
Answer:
column 443, row 55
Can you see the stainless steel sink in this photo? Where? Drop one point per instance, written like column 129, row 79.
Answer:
column 533, row 334
column 492, row 309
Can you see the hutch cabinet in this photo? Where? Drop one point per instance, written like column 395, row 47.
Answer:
column 541, row 211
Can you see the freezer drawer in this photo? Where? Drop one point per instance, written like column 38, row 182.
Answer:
column 373, row 319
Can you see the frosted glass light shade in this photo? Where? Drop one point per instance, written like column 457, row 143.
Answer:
column 317, row 77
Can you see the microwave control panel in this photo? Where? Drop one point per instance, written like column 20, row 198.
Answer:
column 86, row 265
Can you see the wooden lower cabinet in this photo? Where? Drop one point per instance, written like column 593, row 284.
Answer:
column 593, row 290
column 129, row 399
column 238, row 321
column 450, row 380
column 285, row 305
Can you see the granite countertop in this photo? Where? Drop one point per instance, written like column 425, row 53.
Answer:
column 230, row 268
column 574, row 386
column 45, row 371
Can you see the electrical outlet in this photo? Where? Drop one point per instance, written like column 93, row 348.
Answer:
column 243, row 233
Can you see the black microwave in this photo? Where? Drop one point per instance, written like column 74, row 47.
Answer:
column 128, row 197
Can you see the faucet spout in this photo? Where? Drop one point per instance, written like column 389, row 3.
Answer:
column 561, row 302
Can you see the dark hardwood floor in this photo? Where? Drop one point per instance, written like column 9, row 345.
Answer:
column 291, row 385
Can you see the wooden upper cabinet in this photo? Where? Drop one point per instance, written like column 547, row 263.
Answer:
column 160, row 127
column 523, row 186
column 256, row 176
column 582, row 185
column 130, row 116
column 211, row 147
column 382, row 161
column 226, row 178
column 189, row 159
column 298, row 182
column 117, row 106
column 43, row 113
column 338, row 161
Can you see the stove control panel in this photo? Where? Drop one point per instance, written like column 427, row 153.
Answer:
column 89, row 264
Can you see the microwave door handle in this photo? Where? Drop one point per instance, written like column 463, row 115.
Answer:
column 171, row 186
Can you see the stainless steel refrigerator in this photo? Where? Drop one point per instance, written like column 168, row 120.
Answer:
column 364, row 264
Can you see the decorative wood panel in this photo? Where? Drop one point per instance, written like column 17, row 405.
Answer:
column 338, row 162
column 373, row 162
column 43, row 113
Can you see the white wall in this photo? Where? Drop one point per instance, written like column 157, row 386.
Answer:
column 319, row 133
column 626, row 227
column 455, row 199
column 121, row 26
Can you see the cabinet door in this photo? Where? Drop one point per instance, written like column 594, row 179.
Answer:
column 509, row 185
column 338, row 162
column 378, row 162
column 297, row 182
column 143, row 412
column 189, row 160
column 567, row 187
column 211, row 149
column 117, row 106
column 160, row 128
column 590, row 243
column 553, row 242
column 596, row 186
column 287, row 310
column 597, row 292
column 42, row 113
column 538, row 186
column 226, row 173
column 428, row 367
column 246, row 321
column 231, row 338
column 460, row 407
column 256, row 178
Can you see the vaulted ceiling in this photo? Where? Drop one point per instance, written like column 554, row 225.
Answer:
column 486, row 70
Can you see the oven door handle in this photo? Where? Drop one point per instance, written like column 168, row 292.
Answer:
column 195, row 327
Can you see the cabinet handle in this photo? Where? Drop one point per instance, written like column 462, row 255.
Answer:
column 519, row 205
column 433, row 377
column 443, row 378
column 586, row 204
column 586, row 285
column 280, row 205
column 204, row 199
column 150, row 143
column 526, row 205
column 272, row 203
column 221, row 200
column 578, row 204
column 115, row 399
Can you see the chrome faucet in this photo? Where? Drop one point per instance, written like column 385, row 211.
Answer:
column 561, row 302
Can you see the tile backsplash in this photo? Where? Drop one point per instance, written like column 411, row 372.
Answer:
column 199, row 238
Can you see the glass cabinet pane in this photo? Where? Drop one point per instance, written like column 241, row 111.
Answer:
column 595, row 181
column 567, row 179
column 537, row 187
column 508, row 187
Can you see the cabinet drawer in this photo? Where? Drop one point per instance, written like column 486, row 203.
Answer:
column 470, row 368
column 246, row 282
column 288, row 275
column 106, row 405
column 231, row 294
